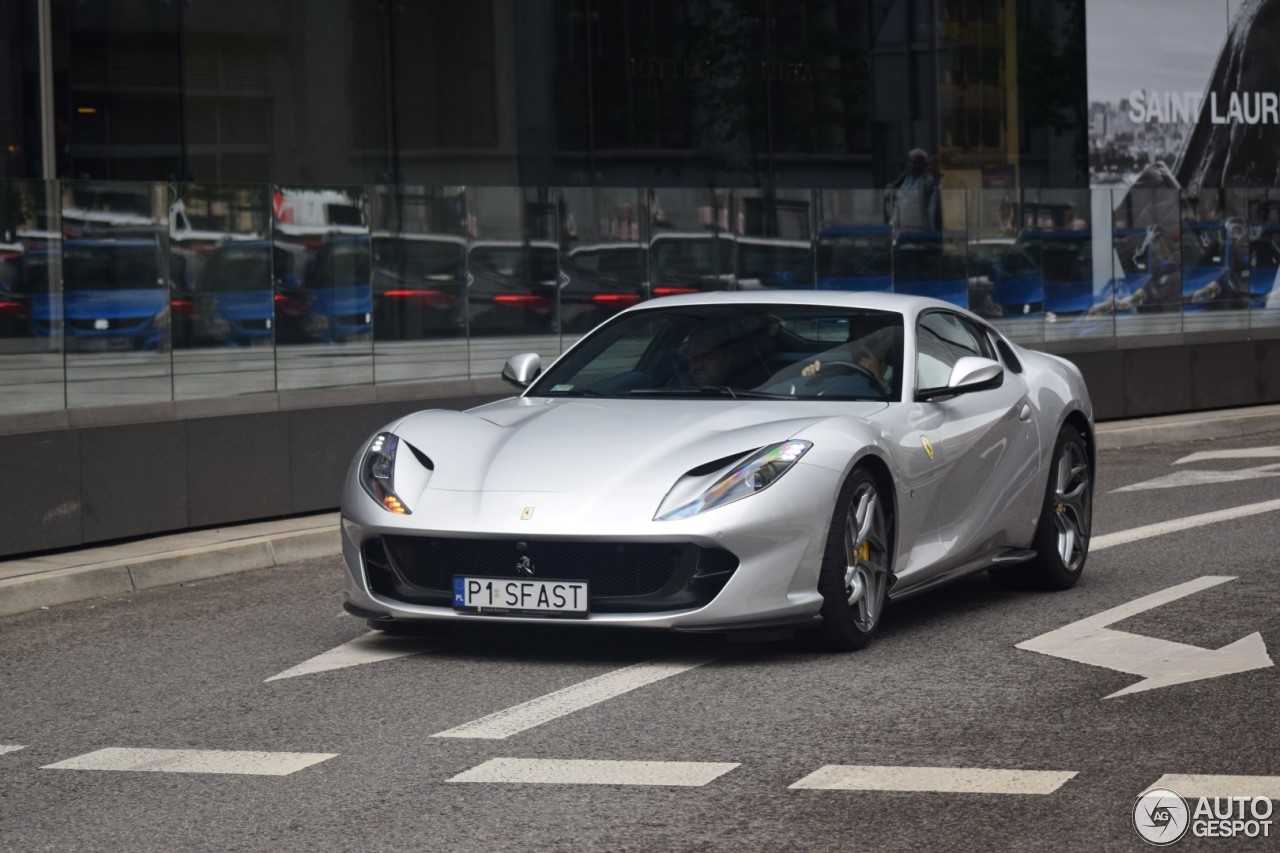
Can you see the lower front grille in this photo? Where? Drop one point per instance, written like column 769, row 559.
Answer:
column 622, row 576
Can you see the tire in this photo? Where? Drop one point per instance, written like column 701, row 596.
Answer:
column 857, row 565
column 1062, row 534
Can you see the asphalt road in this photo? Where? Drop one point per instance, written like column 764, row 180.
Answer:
column 186, row 668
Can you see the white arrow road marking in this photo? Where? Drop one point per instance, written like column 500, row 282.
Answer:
column 692, row 774
column 1200, row 785
column 1162, row 663
column 194, row 761
column 370, row 648
column 584, row 694
column 10, row 747
column 950, row 780
column 1177, row 525
column 1239, row 453
column 1203, row 478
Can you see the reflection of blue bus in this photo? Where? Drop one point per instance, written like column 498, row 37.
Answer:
column 1066, row 267
column 339, row 289
column 923, row 266
column 855, row 257
column 115, row 295
column 236, row 299
column 772, row 262
column 1013, row 275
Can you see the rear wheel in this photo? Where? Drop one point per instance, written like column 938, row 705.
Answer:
column 1066, row 518
column 857, row 565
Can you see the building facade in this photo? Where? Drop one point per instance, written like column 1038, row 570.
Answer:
column 238, row 236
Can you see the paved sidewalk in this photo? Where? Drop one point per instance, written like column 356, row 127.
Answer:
column 97, row 572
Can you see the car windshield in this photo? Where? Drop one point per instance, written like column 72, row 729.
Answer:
column 239, row 268
column 784, row 352
column 111, row 266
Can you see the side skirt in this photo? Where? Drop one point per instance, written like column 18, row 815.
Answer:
column 999, row 557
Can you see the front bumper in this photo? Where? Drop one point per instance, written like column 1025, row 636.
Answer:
column 755, row 561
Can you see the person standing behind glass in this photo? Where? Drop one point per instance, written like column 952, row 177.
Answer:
column 915, row 196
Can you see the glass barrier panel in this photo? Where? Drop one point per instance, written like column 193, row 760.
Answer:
column 1005, row 284
column 692, row 233
column 604, row 261
column 323, row 285
column 1264, row 258
column 222, row 305
column 1215, row 260
column 419, row 283
column 775, row 239
column 1057, row 227
column 514, row 277
column 929, row 242
column 116, row 293
column 853, row 248
column 1146, row 295
column 31, row 360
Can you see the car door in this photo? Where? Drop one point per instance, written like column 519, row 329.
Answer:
column 985, row 443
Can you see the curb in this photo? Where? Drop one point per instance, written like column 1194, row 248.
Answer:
column 1198, row 426
column 49, row 588
column 42, row 583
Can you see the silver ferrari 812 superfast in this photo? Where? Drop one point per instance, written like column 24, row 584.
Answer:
column 729, row 462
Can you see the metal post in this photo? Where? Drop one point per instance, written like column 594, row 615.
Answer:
column 48, row 144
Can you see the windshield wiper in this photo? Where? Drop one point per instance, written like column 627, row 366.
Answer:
column 710, row 391
column 581, row 392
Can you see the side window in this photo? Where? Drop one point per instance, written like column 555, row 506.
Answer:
column 1007, row 356
column 942, row 339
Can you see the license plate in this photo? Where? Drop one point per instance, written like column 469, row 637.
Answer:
column 103, row 344
column 567, row 599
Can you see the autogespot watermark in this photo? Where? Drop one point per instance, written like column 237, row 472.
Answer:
column 1162, row 817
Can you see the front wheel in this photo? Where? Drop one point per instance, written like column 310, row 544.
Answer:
column 1066, row 518
column 857, row 565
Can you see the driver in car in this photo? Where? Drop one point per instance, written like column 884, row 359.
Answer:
column 872, row 352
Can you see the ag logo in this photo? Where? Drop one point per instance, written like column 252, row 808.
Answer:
column 1161, row 816
column 928, row 446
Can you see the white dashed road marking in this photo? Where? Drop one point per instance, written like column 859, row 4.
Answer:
column 1201, row 785
column 949, row 780
column 194, row 761
column 10, row 747
column 372, row 647
column 1179, row 524
column 535, row 712
column 548, row 771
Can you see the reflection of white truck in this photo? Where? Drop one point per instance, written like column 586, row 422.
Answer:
column 300, row 213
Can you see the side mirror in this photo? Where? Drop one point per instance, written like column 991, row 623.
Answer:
column 975, row 374
column 968, row 375
column 520, row 370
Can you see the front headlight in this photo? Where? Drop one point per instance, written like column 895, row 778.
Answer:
column 754, row 474
column 377, row 472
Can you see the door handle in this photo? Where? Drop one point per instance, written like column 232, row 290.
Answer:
column 1024, row 414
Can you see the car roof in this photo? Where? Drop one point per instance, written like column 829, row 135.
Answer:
column 896, row 302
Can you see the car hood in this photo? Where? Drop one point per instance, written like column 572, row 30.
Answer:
column 601, row 447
